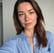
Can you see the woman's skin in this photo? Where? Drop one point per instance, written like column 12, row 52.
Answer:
column 28, row 19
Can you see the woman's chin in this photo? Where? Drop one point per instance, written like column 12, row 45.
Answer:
column 30, row 27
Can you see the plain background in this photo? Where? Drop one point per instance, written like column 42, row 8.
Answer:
column 47, row 7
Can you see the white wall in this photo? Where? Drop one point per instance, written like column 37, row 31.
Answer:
column 0, row 1
column 8, row 26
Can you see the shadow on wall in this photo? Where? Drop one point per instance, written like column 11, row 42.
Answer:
column 1, row 25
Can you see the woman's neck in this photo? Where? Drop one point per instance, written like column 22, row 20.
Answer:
column 29, row 33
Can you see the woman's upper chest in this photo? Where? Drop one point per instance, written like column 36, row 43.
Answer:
column 25, row 47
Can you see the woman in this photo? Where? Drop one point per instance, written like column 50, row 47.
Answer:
column 31, row 35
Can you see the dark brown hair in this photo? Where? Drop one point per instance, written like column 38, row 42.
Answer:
column 39, row 28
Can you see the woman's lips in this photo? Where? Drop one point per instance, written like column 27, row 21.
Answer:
column 27, row 24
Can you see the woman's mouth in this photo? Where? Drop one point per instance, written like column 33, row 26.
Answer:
column 27, row 24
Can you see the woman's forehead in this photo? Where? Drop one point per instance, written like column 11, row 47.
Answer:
column 25, row 6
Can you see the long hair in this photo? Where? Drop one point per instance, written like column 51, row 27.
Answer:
column 39, row 28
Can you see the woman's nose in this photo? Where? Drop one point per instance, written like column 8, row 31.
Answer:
column 27, row 17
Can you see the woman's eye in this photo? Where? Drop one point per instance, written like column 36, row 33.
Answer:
column 31, row 12
column 21, row 14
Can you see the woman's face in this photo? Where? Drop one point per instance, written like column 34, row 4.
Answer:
column 27, row 15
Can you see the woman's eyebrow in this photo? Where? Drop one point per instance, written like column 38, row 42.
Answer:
column 20, row 12
column 30, row 9
column 23, row 11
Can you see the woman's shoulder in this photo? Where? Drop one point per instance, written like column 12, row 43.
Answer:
column 13, row 40
column 49, row 36
column 10, row 44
